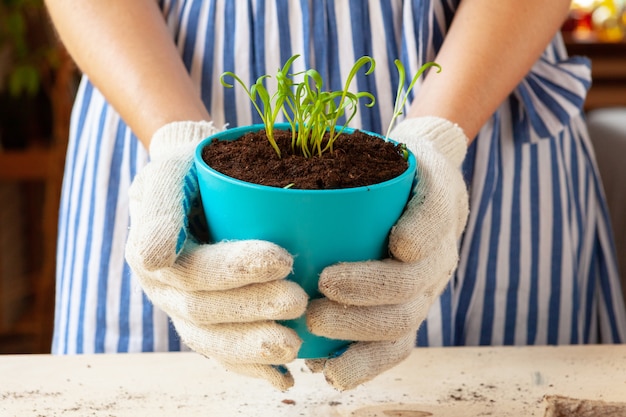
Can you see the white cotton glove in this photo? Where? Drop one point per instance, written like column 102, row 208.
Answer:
column 223, row 298
column 381, row 304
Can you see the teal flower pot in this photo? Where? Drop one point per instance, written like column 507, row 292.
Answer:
column 318, row 227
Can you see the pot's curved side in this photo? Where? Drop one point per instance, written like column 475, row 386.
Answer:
column 318, row 227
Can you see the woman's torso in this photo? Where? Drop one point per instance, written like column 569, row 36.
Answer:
column 100, row 306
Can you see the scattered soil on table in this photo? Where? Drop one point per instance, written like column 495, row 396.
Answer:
column 559, row 406
column 357, row 159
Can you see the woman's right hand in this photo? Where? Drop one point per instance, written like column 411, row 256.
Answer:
column 223, row 298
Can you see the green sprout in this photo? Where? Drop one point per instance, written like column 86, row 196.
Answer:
column 267, row 111
column 401, row 94
column 313, row 113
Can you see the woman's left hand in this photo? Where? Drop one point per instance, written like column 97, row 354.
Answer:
column 381, row 304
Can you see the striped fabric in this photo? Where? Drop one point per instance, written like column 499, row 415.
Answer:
column 537, row 260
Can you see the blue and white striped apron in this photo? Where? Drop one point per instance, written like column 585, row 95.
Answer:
column 537, row 259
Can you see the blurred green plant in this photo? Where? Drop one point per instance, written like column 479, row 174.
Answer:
column 27, row 53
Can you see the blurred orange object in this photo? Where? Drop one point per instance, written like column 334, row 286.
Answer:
column 596, row 20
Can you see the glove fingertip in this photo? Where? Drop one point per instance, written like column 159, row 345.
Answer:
column 278, row 376
column 262, row 261
column 363, row 361
column 315, row 365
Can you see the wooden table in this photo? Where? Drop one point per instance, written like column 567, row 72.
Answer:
column 450, row 382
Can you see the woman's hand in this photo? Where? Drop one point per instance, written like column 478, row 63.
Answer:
column 223, row 298
column 381, row 304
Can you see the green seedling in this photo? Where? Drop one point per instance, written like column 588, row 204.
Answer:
column 269, row 108
column 312, row 112
column 402, row 94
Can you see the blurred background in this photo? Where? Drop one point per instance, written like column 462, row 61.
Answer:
column 596, row 21
column 38, row 81
column 37, row 84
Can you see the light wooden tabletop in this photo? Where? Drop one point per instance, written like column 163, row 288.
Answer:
column 450, row 382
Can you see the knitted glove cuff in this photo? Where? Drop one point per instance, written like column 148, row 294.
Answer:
column 448, row 137
column 179, row 138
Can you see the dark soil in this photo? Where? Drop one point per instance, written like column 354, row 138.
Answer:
column 357, row 159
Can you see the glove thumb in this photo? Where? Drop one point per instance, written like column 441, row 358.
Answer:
column 164, row 192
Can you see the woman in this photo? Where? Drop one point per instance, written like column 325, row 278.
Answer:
column 535, row 261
